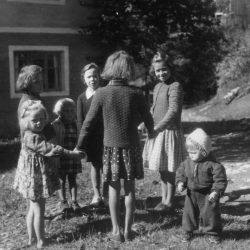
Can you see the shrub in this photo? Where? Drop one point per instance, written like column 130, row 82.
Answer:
column 188, row 30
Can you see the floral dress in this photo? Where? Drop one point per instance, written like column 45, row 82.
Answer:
column 35, row 178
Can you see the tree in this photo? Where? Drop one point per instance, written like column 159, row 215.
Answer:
column 186, row 29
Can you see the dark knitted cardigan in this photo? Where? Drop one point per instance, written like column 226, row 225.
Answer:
column 204, row 176
column 167, row 106
column 123, row 108
column 94, row 144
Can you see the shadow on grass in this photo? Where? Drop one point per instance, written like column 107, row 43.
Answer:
column 100, row 226
column 236, row 194
column 240, row 209
column 236, row 234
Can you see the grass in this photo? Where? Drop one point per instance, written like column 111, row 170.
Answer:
column 89, row 229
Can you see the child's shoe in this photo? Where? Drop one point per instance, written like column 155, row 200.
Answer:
column 75, row 206
column 215, row 239
column 116, row 237
column 187, row 236
column 63, row 205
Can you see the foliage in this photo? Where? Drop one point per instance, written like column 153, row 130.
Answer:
column 223, row 5
column 233, row 70
column 187, row 30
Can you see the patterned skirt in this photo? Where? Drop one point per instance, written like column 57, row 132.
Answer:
column 122, row 163
column 34, row 178
column 165, row 152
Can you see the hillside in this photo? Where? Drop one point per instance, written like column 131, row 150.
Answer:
column 218, row 110
column 232, row 101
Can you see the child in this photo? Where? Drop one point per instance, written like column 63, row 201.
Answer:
column 205, row 180
column 165, row 152
column 122, row 108
column 66, row 136
column 30, row 83
column 34, row 178
column 90, row 76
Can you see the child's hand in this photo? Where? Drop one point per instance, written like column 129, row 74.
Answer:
column 78, row 154
column 180, row 187
column 213, row 196
column 141, row 128
column 152, row 135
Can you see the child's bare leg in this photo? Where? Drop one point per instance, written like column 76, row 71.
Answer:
column 30, row 222
column 96, row 180
column 62, row 190
column 114, row 205
column 72, row 186
column 129, row 187
column 39, row 208
column 167, row 187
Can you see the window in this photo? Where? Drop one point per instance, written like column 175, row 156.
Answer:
column 59, row 2
column 53, row 60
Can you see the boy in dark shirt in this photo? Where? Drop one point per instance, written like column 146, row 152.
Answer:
column 205, row 180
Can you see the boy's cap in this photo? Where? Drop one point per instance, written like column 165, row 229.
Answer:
column 200, row 137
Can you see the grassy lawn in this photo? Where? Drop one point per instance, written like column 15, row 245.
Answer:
column 89, row 228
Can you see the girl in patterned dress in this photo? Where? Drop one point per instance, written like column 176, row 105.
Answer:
column 90, row 76
column 122, row 107
column 65, row 127
column 165, row 152
column 34, row 178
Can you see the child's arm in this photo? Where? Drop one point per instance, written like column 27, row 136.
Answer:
column 174, row 108
column 90, row 119
column 79, row 114
column 220, row 179
column 181, row 177
column 38, row 144
column 146, row 115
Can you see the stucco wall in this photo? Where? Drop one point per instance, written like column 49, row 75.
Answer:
column 20, row 14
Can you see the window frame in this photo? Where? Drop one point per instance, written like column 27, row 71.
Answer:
column 52, row 2
column 64, row 64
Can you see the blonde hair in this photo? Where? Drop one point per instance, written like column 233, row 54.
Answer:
column 161, row 57
column 88, row 67
column 27, row 108
column 61, row 103
column 27, row 76
column 119, row 65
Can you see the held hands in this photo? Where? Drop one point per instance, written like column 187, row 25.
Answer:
column 141, row 128
column 152, row 134
column 78, row 154
column 213, row 196
column 180, row 187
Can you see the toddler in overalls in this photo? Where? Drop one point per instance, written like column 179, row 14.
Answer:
column 205, row 180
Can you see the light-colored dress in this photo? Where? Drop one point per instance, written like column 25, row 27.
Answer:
column 166, row 151
column 35, row 178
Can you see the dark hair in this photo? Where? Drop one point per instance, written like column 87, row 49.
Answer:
column 161, row 57
column 27, row 76
column 88, row 67
column 119, row 65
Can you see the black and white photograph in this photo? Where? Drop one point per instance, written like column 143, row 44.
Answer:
column 124, row 124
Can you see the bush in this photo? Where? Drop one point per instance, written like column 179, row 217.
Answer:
column 233, row 71
column 187, row 30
